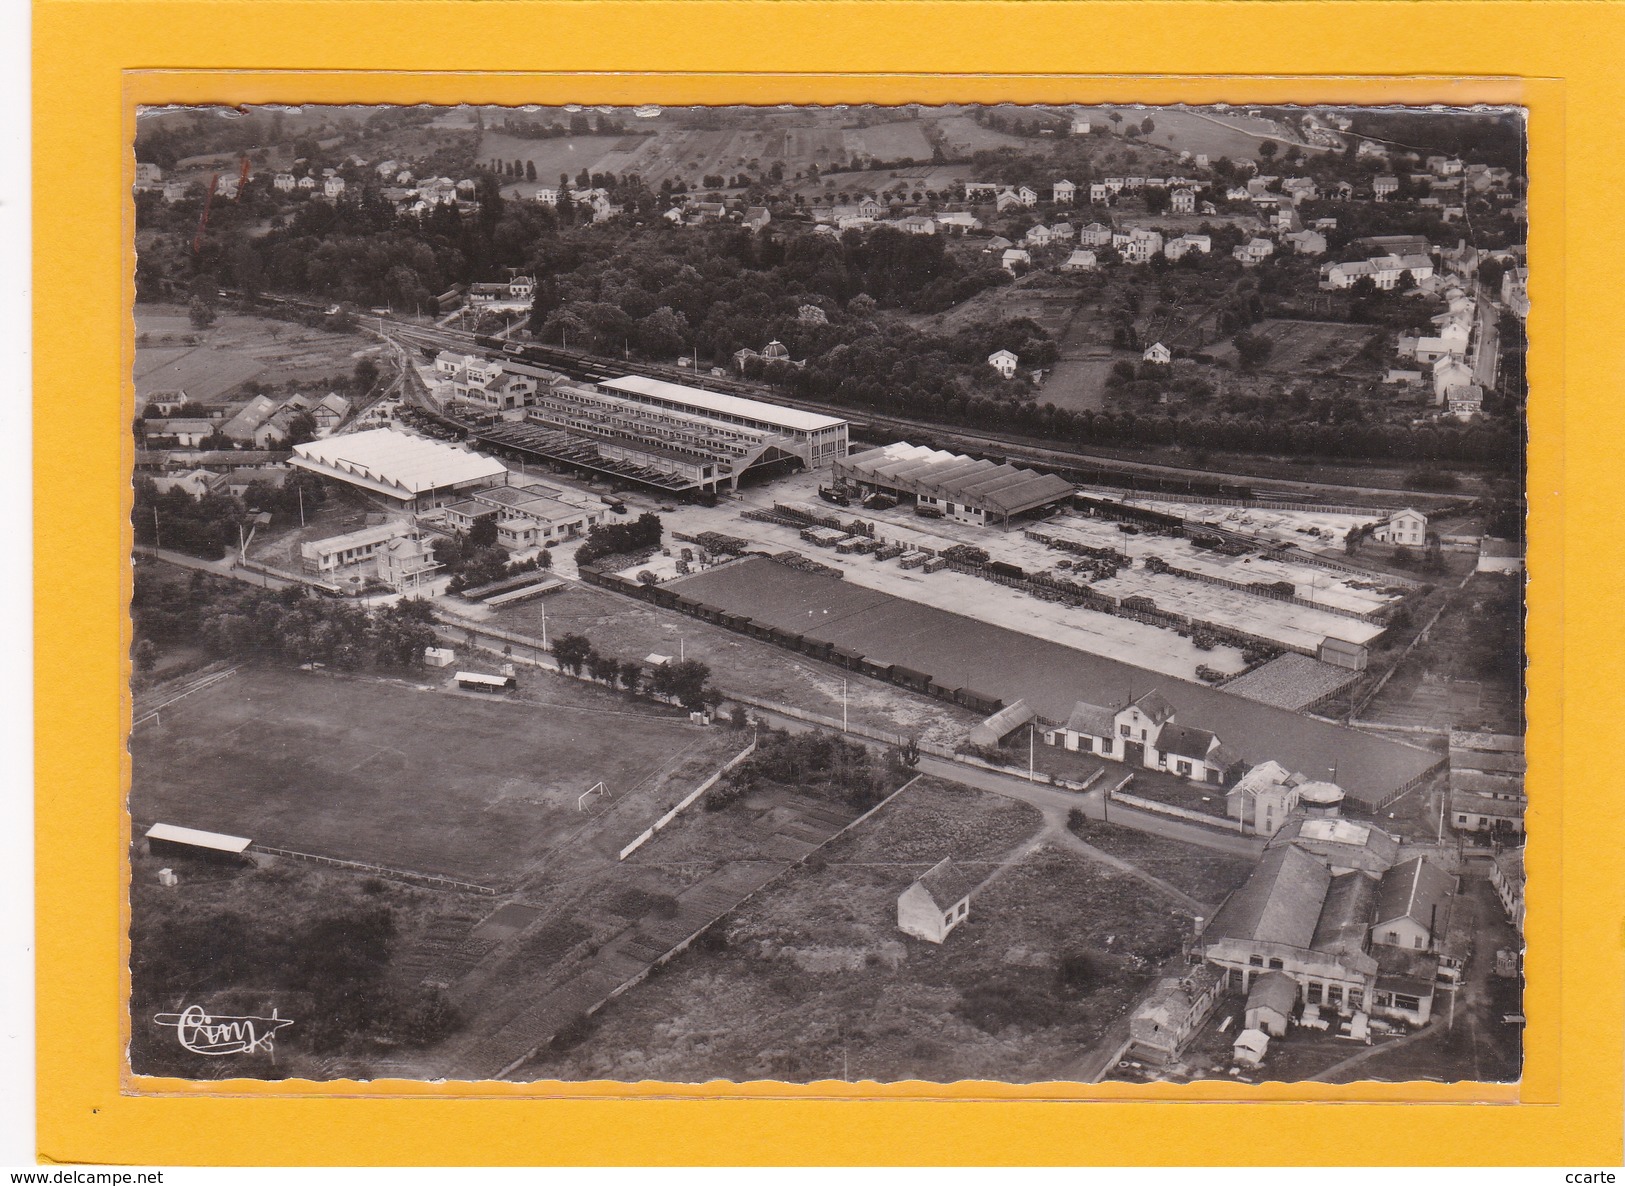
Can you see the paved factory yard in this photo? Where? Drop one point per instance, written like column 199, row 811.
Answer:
column 1316, row 531
column 1013, row 665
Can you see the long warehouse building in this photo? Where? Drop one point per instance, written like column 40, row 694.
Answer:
column 415, row 472
column 962, row 488
column 667, row 436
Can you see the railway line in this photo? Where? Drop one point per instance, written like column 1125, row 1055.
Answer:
column 1078, row 465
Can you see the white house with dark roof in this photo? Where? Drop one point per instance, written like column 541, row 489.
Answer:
column 1406, row 529
column 937, row 902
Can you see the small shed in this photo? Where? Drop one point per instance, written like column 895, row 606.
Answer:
column 1270, row 1003
column 1250, row 1047
column 1002, row 723
column 438, row 656
column 174, row 840
column 937, row 902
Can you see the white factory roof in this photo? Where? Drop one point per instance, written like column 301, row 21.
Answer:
column 395, row 463
column 215, row 840
column 727, row 405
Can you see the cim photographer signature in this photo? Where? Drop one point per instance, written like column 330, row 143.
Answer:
column 204, row 1033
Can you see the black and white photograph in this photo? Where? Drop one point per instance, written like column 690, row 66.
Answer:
column 828, row 594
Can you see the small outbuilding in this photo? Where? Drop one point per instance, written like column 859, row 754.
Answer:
column 937, row 902
column 166, row 840
column 1270, row 1003
column 1250, row 1047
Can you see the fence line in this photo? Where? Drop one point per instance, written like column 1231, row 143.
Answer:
column 1168, row 809
column 648, row 833
column 385, row 871
column 206, row 682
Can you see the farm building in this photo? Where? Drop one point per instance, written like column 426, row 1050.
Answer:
column 963, row 488
column 415, row 472
column 1171, row 1014
column 1144, row 733
column 937, row 902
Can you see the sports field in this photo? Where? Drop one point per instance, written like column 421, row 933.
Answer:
column 393, row 774
column 961, row 651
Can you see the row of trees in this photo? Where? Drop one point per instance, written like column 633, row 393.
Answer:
column 236, row 621
column 613, row 539
column 816, row 761
column 686, row 681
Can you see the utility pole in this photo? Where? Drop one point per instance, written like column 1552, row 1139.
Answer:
column 843, row 706
column 1032, row 742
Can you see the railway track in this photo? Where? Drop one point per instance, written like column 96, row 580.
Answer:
column 1079, row 465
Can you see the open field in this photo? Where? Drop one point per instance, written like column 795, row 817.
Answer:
column 563, row 154
column 1205, row 875
column 1230, row 133
column 1468, row 674
column 1050, row 677
column 812, row 979
column 209, row 364
column 406, row 774
column 1309, row 347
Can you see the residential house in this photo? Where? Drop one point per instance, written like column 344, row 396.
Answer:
column 250, row 426
column 1306, row 242
column 1444, row 166
column 1027, row 195
column 1064, row 192
column 1062, row 232
column 487, row 293
column 1182, row 201
column 916, row 224
column 1506, row 878
column 1270, row 1003
column 406, row 562
column 521, row 288
column 333, row 187
column 1004, row 362
column 1449, row 375
column 1114, row 185
column 1172, row 1013
column 1081, row 260
column 1014, row 256
column 1451, row 341
column 1158, row 353
column 1382, row 188
column 1080, row 127
column 1183, row 245
column 1300, row 189
column 958, row 221
column 548, row 196
column 1237, row 193
column 284, row 182
column 1098, row 192
column 176, row 191
column 1007, row 200
column 1406, row 529
column 998, row 243
column 1038, row 236
column 757, row 218
column 325, row 557
column 148, row 176
column 1194, row 754
column 1095, row 235
column 1254, row 251
column 1515, row 290
column 1090, row 729
column 1138, row 246
column 194, row 483
column 937, row 902
column 1262, row 798
column 306, row 182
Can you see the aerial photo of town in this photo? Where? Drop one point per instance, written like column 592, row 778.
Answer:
column 828, row 594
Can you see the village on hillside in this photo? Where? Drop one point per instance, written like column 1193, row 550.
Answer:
column 831, row 593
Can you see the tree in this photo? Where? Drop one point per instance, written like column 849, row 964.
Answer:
column 366, row 374
column 301, row 428
column 571, row 651
column 145, row 655
column 530, row 170
column 1147, row 126
column 200, row 312
column 631, row 675
column 1268, row 149
column 1252, row 350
